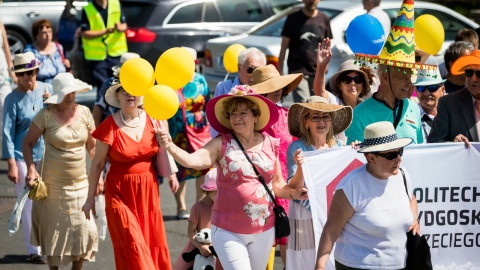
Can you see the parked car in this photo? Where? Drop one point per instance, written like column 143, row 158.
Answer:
column 18, row 16
column 267, row 35
column 155, row 26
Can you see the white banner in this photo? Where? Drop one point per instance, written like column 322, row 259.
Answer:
column 446, row 183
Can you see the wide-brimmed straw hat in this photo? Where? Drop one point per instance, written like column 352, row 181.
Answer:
column 459, row 66
column 429, row 77
column 64, row 84
column 210, row 183
column 347, row 67
column 381, row 136
column 341, row 115
column 125, row 56
column 267, row 79
column 25, row 61
column 268, row 110
column 111, row 97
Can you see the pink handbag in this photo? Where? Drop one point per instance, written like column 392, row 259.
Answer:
column 163, row 162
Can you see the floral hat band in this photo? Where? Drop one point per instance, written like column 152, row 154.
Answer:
column 33, row 64
column 25, row 61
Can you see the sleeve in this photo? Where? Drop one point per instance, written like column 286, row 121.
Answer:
column 105, row 131
column 40, row 119
column 328, row 30
column 194, row 215
column 287, row 29
column 439, row 132
column 291, row 165
column 84, row 24
column 8, row 129
column 90, row 123
column 29, row 48
column 355, row 131
column 123, row 19
column 346, row 185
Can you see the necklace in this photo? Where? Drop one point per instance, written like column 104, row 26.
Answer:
column 253, row 143
column 127, row 124
column 32, row 99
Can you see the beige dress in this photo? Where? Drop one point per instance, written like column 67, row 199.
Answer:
column 59, row 226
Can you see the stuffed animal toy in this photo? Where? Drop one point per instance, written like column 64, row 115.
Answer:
column 201, row 263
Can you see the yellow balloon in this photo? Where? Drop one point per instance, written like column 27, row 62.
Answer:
column 161, row 102
column 136, row 76
column 230, row 57
column 429, row 34
column 175, row 68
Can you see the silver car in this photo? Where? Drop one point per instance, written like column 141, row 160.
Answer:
column 267, row 35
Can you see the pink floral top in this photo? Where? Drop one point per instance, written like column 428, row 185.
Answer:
column 242, row 204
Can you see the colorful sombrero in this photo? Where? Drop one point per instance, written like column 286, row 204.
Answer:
column 399, row 49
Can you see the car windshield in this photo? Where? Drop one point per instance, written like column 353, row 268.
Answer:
column 274, row 28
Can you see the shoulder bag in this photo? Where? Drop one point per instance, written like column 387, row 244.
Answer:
column 39, row 191
column 282, row 224
column 196, row 137
column 418, row 251
column 163, row 162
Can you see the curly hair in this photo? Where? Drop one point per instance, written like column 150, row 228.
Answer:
column 233, row 104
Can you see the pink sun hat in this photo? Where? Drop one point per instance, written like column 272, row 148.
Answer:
column 268, row 110
column 210, row 183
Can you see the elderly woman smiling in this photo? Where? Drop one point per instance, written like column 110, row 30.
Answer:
column 242, row 217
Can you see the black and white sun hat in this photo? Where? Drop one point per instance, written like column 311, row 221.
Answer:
column 380, row 137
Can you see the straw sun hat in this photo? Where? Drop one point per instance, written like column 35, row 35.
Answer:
column 267, row 79
column 64, row 84
column 341, row 115
column 381, row 136
column 268, row 111
column 25, row 61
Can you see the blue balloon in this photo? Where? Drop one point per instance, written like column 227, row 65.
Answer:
column 365, row 35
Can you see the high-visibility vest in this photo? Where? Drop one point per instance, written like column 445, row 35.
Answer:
column 115, row 44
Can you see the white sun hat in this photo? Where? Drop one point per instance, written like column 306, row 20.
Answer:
column 64, row 84
column 381, row 136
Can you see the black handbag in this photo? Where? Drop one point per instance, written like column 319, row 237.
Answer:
column 418, row 251
column 282, row 224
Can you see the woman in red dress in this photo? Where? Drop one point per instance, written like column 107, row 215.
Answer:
column 127, row 139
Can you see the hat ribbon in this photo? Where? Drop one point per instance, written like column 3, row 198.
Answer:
column 32, row 64
column 380, row 140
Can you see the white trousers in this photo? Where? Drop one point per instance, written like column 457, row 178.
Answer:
column 242, row 251
column 27, row 209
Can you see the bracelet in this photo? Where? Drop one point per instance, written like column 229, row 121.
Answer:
column 416, row 218
column 291, row 194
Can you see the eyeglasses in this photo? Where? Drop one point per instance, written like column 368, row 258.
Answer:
column 251, row 69
column 390, row 155
column 430, row 88
column 317, row 118
column 123, row 92
column 28, row 72
column 348, row 80
column 469, row 73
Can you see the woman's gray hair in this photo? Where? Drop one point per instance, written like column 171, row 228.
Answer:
column 455, row 50
column 251, row 52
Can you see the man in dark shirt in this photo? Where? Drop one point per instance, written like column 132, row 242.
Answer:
column 302, row 32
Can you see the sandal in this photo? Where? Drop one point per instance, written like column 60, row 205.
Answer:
column 36, row 259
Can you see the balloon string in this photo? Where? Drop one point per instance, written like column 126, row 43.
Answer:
column 226, row 76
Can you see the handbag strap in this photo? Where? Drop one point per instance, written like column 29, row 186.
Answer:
column 260, row 178
column 404, row 181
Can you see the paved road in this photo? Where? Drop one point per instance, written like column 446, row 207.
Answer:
column 12, row 250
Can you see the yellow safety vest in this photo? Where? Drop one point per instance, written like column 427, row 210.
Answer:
column 115, row 44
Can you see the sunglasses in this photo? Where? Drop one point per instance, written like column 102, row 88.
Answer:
column 317, row 118
column 123, row 92
column 390, row 155
column 251, row 69
column 28, row 72
column 430, row 88
column 469, row 73
column 348, row 80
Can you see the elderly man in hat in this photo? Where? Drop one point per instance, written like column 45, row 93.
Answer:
column 391, row 102
column 429, row 88
column 458, row 117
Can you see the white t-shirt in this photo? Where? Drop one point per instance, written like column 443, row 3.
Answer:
column 375, row 236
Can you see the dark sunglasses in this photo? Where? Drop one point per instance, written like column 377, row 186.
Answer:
column 469, row 73
column 348, row 80
column 430, row 88
column 28, row 72
column 390, row 155
column 250, row 70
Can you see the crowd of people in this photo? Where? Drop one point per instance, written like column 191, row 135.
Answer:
column 253, row 146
